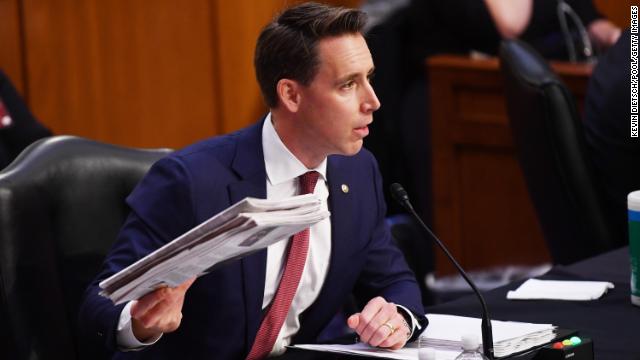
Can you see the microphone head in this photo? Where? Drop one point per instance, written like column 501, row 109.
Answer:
column 399, row 193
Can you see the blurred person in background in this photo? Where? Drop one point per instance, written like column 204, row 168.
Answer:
column 607, row 123
column 404, row 33
column 18, row 127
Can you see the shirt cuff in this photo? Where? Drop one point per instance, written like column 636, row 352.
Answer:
column 414, row 324
column 125, row 338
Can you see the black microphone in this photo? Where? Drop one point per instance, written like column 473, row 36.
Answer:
column 401, row 196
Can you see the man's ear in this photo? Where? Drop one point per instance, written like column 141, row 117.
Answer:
column 289, row 94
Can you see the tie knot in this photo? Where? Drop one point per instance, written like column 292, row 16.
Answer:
column 308, row 182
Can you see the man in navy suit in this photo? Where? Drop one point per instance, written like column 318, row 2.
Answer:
column 607, row 124
column 314, row 70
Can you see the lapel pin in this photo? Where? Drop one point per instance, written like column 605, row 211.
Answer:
column 345, row 188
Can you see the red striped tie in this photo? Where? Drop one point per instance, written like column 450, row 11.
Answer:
column 296, row 258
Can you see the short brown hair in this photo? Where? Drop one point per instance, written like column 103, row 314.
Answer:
column 286, row 47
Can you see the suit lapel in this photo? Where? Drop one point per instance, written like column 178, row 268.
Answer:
column 248, row 163
column 341, row 206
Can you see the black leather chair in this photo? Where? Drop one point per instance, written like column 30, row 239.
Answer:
column 550, row 144
column 61, row 205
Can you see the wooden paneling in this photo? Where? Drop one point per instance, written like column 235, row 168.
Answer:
column 122, row 71
column 10, row 42
column 482, row 209
column 240, row 99
column 497, row 226
column 617, row 11
column 137, row 73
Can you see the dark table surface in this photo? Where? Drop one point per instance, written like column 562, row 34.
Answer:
column 612, row 321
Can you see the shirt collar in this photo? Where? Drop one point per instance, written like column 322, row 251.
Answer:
column 281, row 165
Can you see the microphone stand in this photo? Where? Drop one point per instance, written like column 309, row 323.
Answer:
column 401, row 196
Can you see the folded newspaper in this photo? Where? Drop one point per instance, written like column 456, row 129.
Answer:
column 249, row 225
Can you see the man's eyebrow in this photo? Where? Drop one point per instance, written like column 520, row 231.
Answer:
column 354, row 75
column 347, row 78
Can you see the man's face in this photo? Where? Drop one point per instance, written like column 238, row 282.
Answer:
column 337, row 106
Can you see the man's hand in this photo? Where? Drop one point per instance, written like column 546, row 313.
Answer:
column 603, row 33
column 380, row 324
column 158, row 312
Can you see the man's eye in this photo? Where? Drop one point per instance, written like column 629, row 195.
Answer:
column 348, row 84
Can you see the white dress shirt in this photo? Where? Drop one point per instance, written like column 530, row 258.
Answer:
column 283, row 170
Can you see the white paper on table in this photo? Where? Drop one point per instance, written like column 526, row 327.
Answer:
column 444, row 334
column 534, row 289
column 409, row 352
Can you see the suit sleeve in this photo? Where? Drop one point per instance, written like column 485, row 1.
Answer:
column 386, row 272
column 161, row 209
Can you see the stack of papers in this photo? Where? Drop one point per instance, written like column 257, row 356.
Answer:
column 248, row 226
column 560, row 290
column 444, row 334
column 445, row 331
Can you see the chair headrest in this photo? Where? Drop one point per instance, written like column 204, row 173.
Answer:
column 526, row 64
column 57, row 151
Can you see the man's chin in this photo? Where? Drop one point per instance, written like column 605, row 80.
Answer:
column 354, row 149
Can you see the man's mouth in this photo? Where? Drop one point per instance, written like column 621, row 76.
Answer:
column 362, row 131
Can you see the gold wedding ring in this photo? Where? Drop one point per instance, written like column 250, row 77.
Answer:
column 391, row 328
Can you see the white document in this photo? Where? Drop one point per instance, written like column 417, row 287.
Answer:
column 444, row 334
column 560, row 290
column 248, row 226
column 409, row 352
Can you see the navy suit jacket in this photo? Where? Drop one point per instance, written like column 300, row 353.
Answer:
column 223, row 309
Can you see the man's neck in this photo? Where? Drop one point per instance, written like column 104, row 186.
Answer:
column 286, row 128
